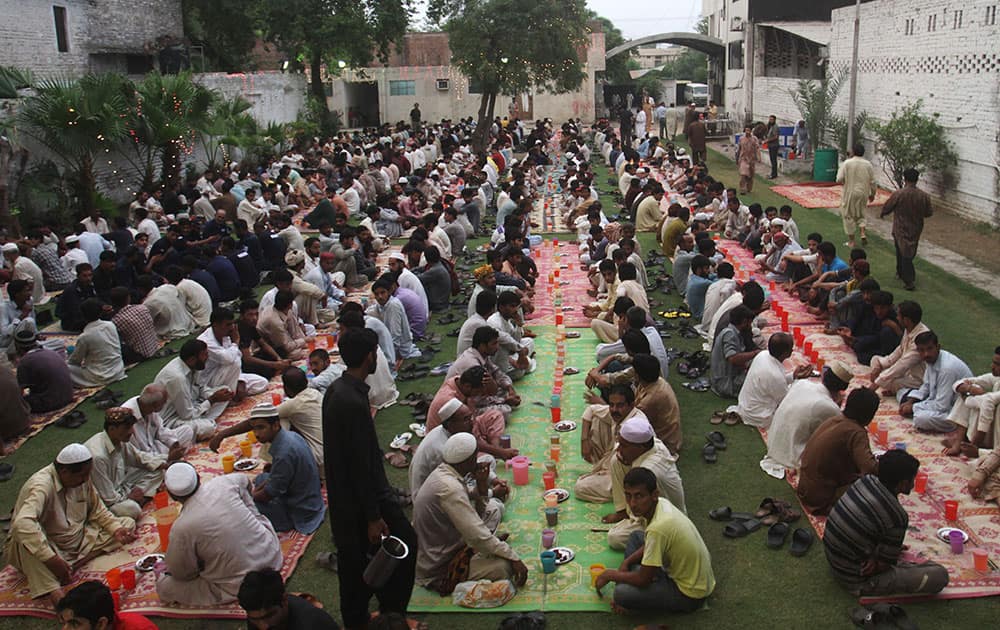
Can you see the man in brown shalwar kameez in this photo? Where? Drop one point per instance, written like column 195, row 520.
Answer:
column 909, row 206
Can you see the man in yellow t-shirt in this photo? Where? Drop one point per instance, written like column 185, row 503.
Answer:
column 670, row 231
column 667, row 567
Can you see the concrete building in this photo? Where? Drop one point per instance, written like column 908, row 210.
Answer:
column 72, row 37
column 948, row 55
column 420, row 71
column 650, row 57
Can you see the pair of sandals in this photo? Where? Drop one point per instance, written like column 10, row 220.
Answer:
column 450, row 318
column 728, row 418
column 882, row 617
column 802, row 539
column 773, row 511
column 716, row 442
column 698, row 385
column 72, row 420
column 107, row 398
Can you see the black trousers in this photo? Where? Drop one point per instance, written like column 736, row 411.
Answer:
column 259, row 370
column 772, row 149
column 904, row 267
column 353, row 552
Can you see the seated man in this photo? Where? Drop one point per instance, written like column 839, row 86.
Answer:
column 188, row 402
column 381, row 383
column 488, row 423
column 638, row 447
column 135, row 327
column 656, row 398
column 699, row 282
column 486, row 306
column 262, row 595
column 71, row 299
column 634, row 318
column 875, row 330
column 124, row 476
column 515, row 350
column 390, row 310
column 807, row 405
column 59, row 523
column 225, row 359
column 903, row 367
column 767, row 382
column 280, row 328
column 149, row 434
column 43, row 373
column 838, row 453
column 930, row 404
column 171, row 319
column 448, row 523
column 196, row 299
column 598, row 436
column 289, row 494
column 16, row 418
column 436, row 281
column 205, row 561
column 865, row 533
column 667, row 567
column 97, row 358
column 90, row 605
column 975, row 412
column 732, row 352
column 258, row 357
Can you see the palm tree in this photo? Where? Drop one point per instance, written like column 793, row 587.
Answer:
column 229, row 121
column 166, row 116
column 77, row 121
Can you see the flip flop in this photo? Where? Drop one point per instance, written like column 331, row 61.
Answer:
column 327, row 560
column 700, row 385
column 721, row 514
column 731, row 419
column 400, row 440
column 708, row 454
column 802, row 540
column 717, row 417
column 570, row 371
column 717, row 439
column 766, row 508
column 895, row 614
column 419, row 430
column 397, row 460
column 776, row 535
column 438, row 370
column 739, row 529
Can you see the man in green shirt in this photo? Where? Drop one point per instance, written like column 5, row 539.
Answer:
column 667, row 567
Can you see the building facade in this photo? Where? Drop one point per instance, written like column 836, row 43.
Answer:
column 650, row 57
column 55, row 38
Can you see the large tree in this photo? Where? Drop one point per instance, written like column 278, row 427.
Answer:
column 224, row 29
column 615, row 69
column 510, row 46
column 319, row 32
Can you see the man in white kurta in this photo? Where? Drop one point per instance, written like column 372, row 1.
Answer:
column 407, row 279
column 598, row 439
column 932, row 402
column 197, row 301
column 806, row 406
column 23, row 268
column 514, row 346
column 171, row 318
column 225, row 360
column 218, row 538
column 976, row 413
column 124, row 476
column 149, row 434
column 97, row 358
column 767, row 382
column 189, row 403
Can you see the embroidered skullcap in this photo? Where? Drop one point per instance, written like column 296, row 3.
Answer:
column 483, row 272
column 72, row 238
column 295, row 257
column 459, row 448
column 841, row 371
column 327, row 256
column 264, row 410
column 119, row 415
column 181, row 479
column 73, row 454
column 338, row 277
column 636, row 430
column 9, row 247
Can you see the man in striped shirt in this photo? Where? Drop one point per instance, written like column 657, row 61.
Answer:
column 865, row 532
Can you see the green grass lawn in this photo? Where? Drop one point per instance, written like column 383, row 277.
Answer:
column 757, row 587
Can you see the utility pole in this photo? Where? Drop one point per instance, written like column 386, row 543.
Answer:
column 854, row 78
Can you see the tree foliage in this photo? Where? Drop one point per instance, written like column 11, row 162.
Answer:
column 615, row 69
column 224, row 28
column 13, row 79
column 815, row 101
column 911, row 139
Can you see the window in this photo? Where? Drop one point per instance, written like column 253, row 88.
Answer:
column 402, row 88
column 991, row 15
column 932, row 23
column 62, row 40
column 736, row 55
column 911, row 25
column 957, row 19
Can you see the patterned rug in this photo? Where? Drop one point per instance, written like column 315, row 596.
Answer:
column 568, row 589
column 572, row 284
column 41, row 420
column 821, row 195
column 14, row 595
column 947, row 476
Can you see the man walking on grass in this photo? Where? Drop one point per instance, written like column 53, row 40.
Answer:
column 858, row 177
column 909, row 206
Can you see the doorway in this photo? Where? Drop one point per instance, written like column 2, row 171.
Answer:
column 362, row 104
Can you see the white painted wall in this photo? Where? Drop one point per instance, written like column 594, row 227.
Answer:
column 276, row 96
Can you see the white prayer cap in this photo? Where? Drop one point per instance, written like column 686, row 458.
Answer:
column 442, row 165
column 840, row 370
column 294, row 257
column 9, row 247
column 73, row 454
column 338, row 277
column 778, row 221
column 404, row 180
column 263, row 410
column 459, row 448
column 397, row 256
column 449, row 408
column 72, row 238
column 636, row 430
column 182, row 216
column 181, row 479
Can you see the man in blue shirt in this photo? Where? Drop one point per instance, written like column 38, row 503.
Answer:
column 828, row 254
column 697, row 287
column 226, row 276
column 289, row 495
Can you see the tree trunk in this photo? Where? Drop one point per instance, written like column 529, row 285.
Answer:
column 88, row 186
column 171, row 165
column 480, row 135
column 318, row 93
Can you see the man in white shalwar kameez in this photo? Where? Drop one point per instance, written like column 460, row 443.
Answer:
column 806, row 406
column 171, row 318
column 515, row 348
column 930, row 404
column 767, row 382
column 219, row 537
column 149, row 434
column 407, row 279
column 189, row 403
column 225, row 360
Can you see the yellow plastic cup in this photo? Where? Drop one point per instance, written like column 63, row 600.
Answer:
column 595, row 570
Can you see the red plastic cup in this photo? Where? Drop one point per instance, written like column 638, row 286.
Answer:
column 981, row 560
column 116, row 599
column 161, row 499
column 951, row 510
column 275, row 398
column 784, row 322
column 920, row 483
column 114, row 578
column 797, row 331
column 808, row 347
column 128, row 579
column 556, row 414
column 770, row 286
column 819, row 365
column 883, row 436
column 549, row 479
column 559, row 318
column 873, row 428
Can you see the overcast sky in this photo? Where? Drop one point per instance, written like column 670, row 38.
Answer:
column 637, row 18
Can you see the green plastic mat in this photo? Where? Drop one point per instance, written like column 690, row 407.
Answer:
column 568, row 589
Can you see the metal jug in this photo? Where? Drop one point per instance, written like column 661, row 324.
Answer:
column 382, row 565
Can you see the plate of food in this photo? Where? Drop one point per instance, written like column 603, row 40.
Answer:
column 572, row 335
column 244, row 465
column 878, row 452
column 565, row 425
column 146, row 563
column 945, row 534
column 563, row 554
column 560, row 494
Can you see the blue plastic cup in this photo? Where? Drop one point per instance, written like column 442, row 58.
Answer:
column 556, row 401
column 548, row 562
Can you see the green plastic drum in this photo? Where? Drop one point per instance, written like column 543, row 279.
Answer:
column 825, row 165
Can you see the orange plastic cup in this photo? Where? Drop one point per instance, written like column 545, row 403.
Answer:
column 128, row 579
column 311, row 343
column 555, row 451
column 252, row 437
column 981, row 560
column 161, row 499
column 549, row 479
column 951, row 510
column 595, row 571
column 246, row 448
column 883, row 435
column 227, row 463
column 331, row 341
column 556, row 414
column 114, row 578
column 275, row 398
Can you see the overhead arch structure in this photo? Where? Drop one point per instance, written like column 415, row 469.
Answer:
column 711, row 46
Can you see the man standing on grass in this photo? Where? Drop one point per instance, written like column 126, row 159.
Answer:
column 773, row 140
column 909, row 206
column 858, row 177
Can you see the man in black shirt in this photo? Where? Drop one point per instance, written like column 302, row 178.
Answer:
column 69, row 303
column 262, row 595
column 363, row 506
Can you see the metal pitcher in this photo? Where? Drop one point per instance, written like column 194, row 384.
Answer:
column 382, row 565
